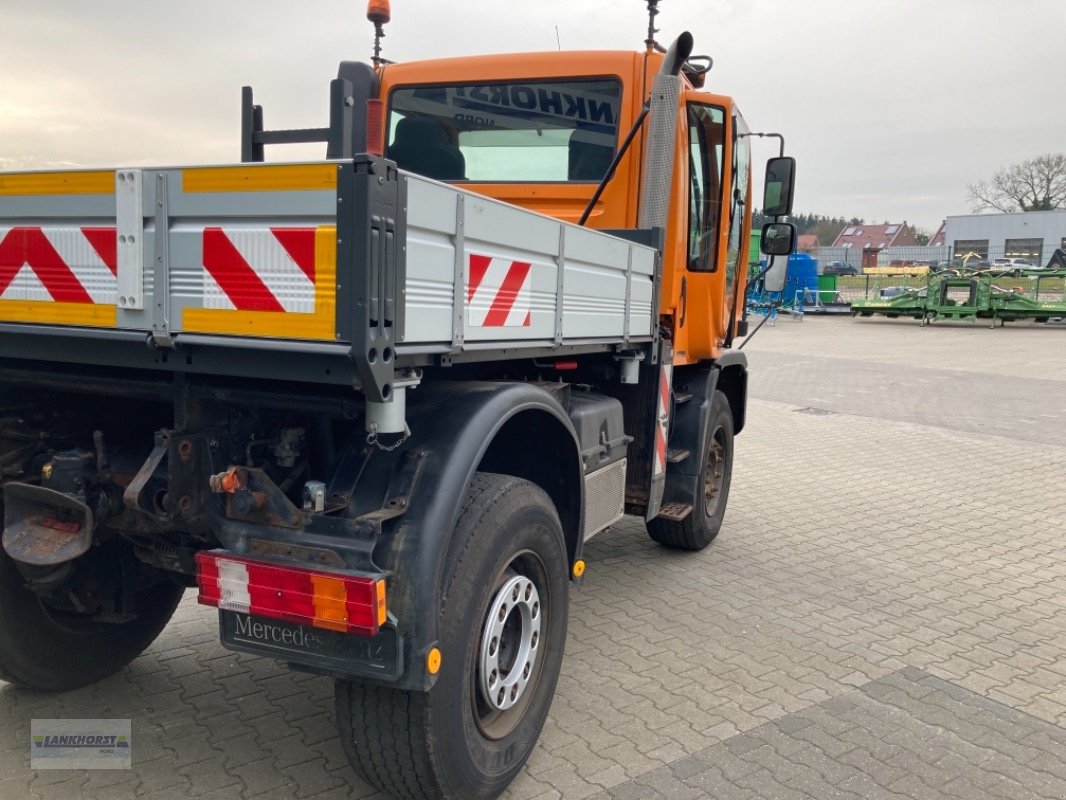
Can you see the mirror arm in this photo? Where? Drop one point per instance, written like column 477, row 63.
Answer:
column 733, row 312
column 749, row 337
column 777, row 136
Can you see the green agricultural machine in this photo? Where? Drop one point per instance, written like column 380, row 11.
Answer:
column 1038, row 295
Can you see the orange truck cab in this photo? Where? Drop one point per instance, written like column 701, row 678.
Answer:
column 539, row 130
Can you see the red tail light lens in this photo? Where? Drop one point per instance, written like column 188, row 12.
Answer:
column 331, row 600
column 375, row 127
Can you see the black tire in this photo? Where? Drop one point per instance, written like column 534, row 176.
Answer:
column 449, row 742
column 699, row 528
column 41, row 648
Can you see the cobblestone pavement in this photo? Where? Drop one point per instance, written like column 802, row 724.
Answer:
column 884, row 613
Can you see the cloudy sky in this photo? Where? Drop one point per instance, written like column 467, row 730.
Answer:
column 891, row 108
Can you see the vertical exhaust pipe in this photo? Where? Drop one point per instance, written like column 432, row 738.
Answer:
column 662, row 135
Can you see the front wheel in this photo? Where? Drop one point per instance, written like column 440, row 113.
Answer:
column 699, row 528
column 503, row 627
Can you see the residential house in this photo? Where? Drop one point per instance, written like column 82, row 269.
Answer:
column 872, row 239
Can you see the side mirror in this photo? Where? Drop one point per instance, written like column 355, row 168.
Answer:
column 779, row 186
column 778, row 238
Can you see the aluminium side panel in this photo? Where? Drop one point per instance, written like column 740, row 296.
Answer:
column 482, row 271
column 58, row 260
column 432, row 266
column 511, row 264
column 643, row 317
column 594, row 285
column 251, row 251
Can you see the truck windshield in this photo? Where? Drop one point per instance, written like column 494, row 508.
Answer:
column 540, row 131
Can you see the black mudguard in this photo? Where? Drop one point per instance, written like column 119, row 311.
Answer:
column 452, row 427
column 689, row 428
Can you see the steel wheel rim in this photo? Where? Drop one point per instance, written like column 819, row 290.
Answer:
column 520, row 596
column 714, row 473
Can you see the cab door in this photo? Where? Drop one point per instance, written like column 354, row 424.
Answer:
column 699, row 325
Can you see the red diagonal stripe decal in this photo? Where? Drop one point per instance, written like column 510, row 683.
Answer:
column 664, row 392
column 105, row 242
column 479, row 265
column 512, row 284
column 30, row 246
column 233, row 275
column 11, row 258
column 299, row 243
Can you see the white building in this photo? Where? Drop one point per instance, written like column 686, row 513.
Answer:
column 1034, row 235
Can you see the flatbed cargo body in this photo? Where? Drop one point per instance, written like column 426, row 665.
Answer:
column 312, row 263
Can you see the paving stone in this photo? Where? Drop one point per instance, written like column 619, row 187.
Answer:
column 882, row 614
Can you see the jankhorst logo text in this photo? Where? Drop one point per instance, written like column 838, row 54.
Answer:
column 79, row 740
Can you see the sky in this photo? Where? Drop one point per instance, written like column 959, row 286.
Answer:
column 890, row 108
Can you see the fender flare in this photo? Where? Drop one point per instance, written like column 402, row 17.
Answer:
column 454, row 426
column 689, row 428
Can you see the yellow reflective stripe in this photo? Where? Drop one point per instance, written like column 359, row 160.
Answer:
column 57, row 183
column 44, row 312
column 322, row 324
column 299, row 177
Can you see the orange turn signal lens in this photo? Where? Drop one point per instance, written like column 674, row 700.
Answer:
column 433, row 659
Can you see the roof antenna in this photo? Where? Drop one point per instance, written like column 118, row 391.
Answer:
column 377, row 11
column 653, row 11
column 558, row 41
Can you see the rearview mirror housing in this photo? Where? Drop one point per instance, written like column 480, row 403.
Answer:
column 779, row 186
column 778, row 238
column 776, row 274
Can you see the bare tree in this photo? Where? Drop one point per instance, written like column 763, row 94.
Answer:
column 1038, row 184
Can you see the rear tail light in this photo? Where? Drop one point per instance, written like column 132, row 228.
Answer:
column 330, row 600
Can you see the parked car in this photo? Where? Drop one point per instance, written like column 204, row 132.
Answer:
column 1013, row 264
column 839, row 268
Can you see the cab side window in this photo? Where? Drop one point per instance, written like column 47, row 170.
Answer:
column 706, row 135
column 741, row 174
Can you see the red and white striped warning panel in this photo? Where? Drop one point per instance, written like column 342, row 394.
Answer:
column 662, row 421
column 259, row 269
column 59, row 264
column 499, row 292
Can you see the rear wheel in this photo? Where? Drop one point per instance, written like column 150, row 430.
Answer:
column 53, row 646
column 699, row 528
column 503, row 627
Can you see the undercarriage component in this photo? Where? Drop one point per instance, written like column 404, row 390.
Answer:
column 45, row 527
